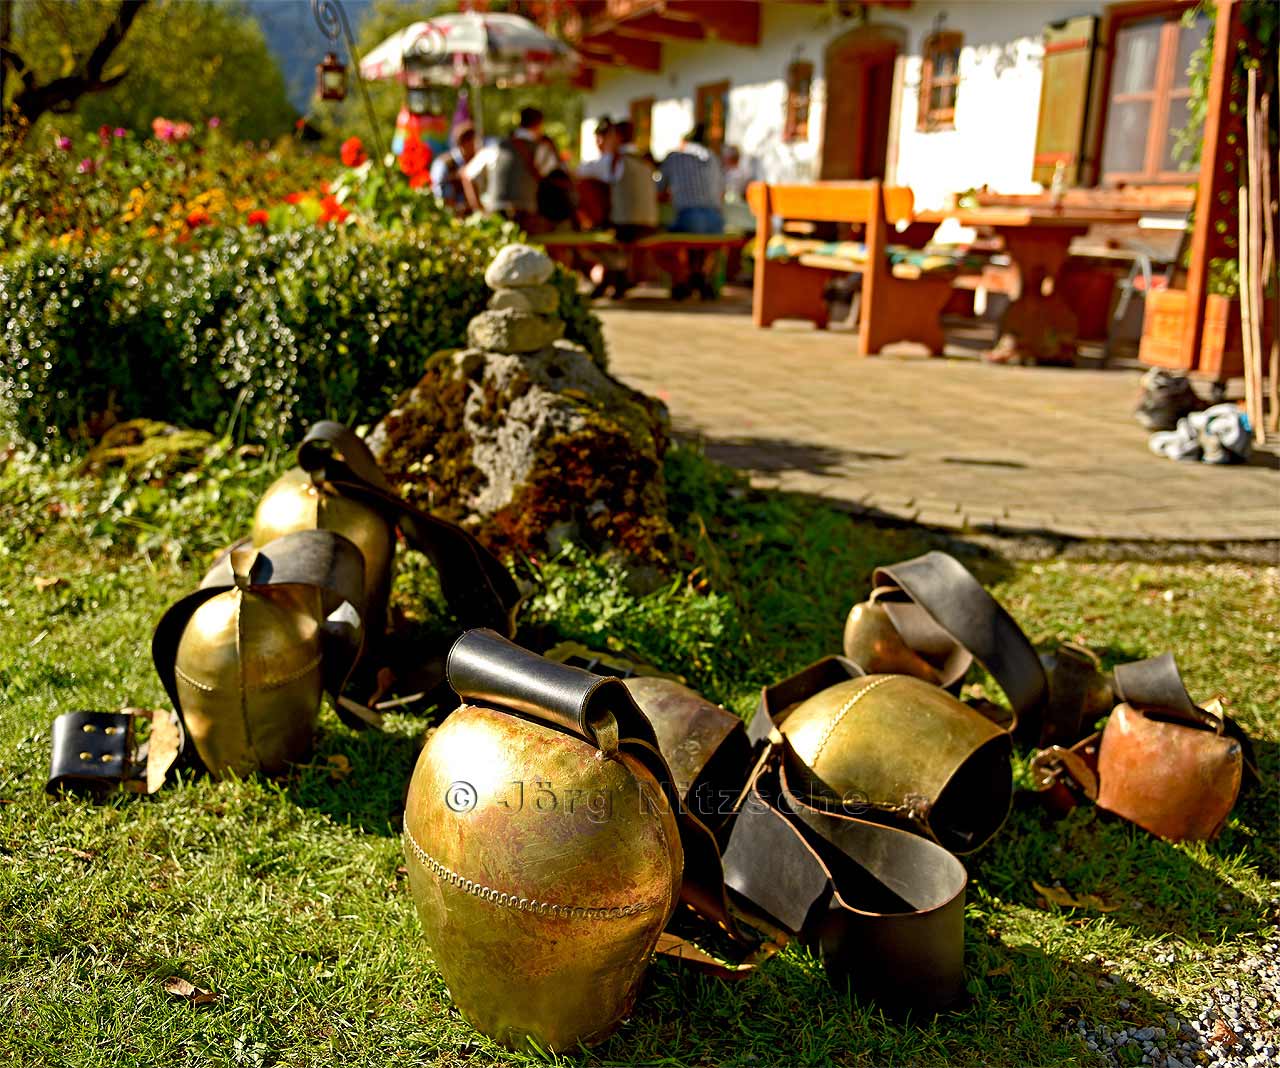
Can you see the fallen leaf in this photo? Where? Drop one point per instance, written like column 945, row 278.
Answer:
column 339, row 767
column 1064, row 898
column 48, row 582
column 1222, row 1035
column 1004, row 969
column 188, row 991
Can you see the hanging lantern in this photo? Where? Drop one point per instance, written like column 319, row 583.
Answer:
column 421, row 97
column 331, row 78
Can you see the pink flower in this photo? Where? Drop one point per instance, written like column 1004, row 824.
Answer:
column 214, row 122
column 64, row 143
column 87, row 166
column 165, row 130
column 120, row 131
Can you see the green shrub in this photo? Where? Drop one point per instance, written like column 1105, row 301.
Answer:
column 245, row 332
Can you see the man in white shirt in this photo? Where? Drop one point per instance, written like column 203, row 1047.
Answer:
column 506, row 175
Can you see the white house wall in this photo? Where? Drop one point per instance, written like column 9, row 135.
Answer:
column 996, row 113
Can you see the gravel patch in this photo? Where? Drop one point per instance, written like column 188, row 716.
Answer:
column 1235, row 1028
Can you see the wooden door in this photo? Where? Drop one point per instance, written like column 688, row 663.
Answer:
column 859, row 73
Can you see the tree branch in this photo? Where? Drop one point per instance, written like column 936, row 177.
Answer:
column 34, row 100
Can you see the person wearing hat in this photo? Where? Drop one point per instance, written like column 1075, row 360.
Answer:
column 449, row 171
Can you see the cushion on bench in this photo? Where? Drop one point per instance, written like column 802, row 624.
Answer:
column 932, row 260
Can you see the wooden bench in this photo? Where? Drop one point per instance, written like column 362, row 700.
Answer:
column 898, row 303
column 562, row 246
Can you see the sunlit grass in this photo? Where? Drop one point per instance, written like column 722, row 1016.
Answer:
column 285, row 898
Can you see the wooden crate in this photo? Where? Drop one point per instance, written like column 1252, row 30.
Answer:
column 1164, row 321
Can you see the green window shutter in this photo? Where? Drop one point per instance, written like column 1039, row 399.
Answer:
column 1069, row 67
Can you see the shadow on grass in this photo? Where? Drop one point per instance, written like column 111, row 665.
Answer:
column 1023, row 1007
column 360, row 778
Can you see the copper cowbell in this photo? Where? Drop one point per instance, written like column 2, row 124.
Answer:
column 249, row 676
column 543, row 870
column 295, row 501
column 906, row 750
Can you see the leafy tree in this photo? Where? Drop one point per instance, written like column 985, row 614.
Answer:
column 56, row 56
column 181, row 59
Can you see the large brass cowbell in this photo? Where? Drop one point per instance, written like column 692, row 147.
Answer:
column 544, row 866
column 249, row 676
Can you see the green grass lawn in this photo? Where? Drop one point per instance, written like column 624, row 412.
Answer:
column 288, row 900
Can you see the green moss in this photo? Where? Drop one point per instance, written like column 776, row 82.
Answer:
column 139, row 443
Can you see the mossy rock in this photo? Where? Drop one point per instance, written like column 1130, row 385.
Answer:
column 528, row 451
column 139, row 443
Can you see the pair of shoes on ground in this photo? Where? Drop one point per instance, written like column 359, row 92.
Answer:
column 1217, row 435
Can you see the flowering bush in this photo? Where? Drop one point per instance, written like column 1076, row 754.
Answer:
column 252, row 332
column 102, row 186
column 226, row 287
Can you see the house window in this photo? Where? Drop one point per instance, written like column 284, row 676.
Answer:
column 641, row 113
column 799, row 82
column 711, row 108
column 1148, row 96
column 939, row 81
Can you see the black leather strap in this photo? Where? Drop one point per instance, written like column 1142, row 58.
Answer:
column 883, row 906
column 1156, row 683
column 319, row 559
column 98, row 752
column 479, row 590
column 777, row 698
column 956, row 602
column 487, row 668
column 1075, row 671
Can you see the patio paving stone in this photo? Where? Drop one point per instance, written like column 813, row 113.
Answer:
column 951, row 443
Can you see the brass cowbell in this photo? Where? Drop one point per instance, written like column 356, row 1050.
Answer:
column 295, row 501
column 248, row 674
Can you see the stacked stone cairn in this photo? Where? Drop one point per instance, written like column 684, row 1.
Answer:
column 523, row 313
column 524, row 438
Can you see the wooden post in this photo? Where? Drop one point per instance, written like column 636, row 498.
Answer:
column 1217, row 115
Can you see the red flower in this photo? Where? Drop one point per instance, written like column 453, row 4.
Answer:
column 258, row 217
column 332, row 211
column 419, row 179
column 294, row 198
column 415, row 158
column 353, row 153
column 300, row 123
column 199, row 217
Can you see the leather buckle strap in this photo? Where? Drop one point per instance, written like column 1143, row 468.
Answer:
column 479, row 590
column 97, row 752
column 956, row 603
column 883, row 906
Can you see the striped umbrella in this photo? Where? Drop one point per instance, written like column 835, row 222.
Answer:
column 471, row 47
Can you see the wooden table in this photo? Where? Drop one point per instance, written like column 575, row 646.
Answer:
column 1039, row 325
